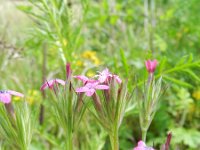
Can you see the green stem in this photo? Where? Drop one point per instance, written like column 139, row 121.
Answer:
column 114, row 139
column 144, row 134
column 69, row 141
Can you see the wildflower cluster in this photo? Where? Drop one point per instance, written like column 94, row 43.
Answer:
column 65, row 104
column 109, row 97
column 110, row 104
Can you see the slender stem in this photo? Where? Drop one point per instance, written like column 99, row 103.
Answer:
column 114, row 139
column 69, row 141
column 144, row 134
column 44, row 64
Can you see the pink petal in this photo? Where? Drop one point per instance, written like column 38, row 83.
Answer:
column 117, row 79
column 92, row 81
column 44, row 86
column 102, row 87
column 62, row 82
column 151, row 65
column 90, row 92
column 15, row 93
column 142, row 146
column 155, row 62
column 82, row 78
column 105, row 71
column 47, row 84
column 50, row 83
column 92, row 85
column 148, row 64
column 102, row 78
column 141, row 143
column 5, row 98
column 82, row 89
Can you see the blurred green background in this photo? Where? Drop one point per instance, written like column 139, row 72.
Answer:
column 38, row 37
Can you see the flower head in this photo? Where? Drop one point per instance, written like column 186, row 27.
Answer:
column 105, row 75
column 50, row 84
column 5, row 95
column 91, row 87
column 151, row 65
column 68, row 71
column 142, row 146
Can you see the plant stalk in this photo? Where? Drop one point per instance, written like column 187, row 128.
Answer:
column 144, row 134
column 69, row 141
column 114, row 139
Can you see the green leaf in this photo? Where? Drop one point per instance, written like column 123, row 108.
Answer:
column 179, row 82
column 193, row 75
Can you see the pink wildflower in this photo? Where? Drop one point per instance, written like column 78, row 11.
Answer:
column 91, row 87
column 151, row 65
column 50, row 84
column 5, row 95
column 105, row 74
column 142, row 146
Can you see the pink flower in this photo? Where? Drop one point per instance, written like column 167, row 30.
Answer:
column 105, row 74
column 91, row 87
column 142, row 146
column 151, row 65
column 5, row 95
column 50, row 84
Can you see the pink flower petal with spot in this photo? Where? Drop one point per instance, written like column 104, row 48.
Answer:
column 5, row 98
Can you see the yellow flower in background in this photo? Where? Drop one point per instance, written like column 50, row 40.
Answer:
column 92, row 56
column 89, row 54
column 80, row 63
column 95, row 60
column 196, row 94
column 33, row 95
column 90, row 74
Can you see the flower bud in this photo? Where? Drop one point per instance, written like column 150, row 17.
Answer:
column 151, row 65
